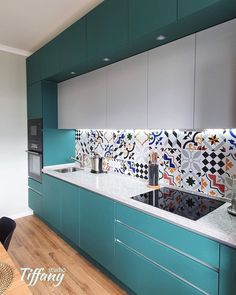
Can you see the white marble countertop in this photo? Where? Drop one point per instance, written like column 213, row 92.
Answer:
column 217, row 225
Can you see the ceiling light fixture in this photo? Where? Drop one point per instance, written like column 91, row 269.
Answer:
column 106, row 59
column 72, row 73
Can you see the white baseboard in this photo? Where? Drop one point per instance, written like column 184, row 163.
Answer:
column 22, row 214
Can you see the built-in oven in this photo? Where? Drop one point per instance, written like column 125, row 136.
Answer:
column 35, row 165
column 35, row 148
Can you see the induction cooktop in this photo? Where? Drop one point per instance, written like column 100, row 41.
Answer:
column 178, row 202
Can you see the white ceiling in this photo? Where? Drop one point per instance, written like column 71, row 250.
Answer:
column 26, row 25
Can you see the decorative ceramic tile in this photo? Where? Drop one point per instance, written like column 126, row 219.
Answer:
column 124, row 167
column 124, row 145
column 103, row 142
column 157, row 139
column 214, row 140
column 172, row 158
column 191, row 181
column 191, row 140
column 230, row 136
column 213, row 185
column 86, row 141
column 230, row 164
column 129, row 145
column 172, row 176
column 107, row 164
column 141, row 170
column 213, row 162
column 191, row 161
column 173, row 139
column 141, row 151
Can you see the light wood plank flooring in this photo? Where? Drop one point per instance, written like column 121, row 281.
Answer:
column 35, row 245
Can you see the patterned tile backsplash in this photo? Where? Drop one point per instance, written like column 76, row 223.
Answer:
column 198, row 161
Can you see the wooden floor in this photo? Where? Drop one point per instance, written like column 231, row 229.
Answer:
column 35, row 245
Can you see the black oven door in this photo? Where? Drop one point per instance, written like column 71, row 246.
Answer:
column 35, row 137
column 35, row 165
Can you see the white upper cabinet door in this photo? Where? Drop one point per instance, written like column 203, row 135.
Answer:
column 127, row 93
column 82, row 101
column 215, row 97
column 171, row 85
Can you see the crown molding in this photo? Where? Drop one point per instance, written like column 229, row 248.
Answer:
column 14, row 50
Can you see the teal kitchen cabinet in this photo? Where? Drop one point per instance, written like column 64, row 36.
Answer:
column 188, row 7
column 107, row 32
column 35, row 202
column 62, row 207
column 97, row 227
column 70, row 196
column 145, row 277
column 227, row 271
column 42, row 103
column 34, row 101
column 52, row 201
column 58, row 145
column 149, row 16
column 50, row 59
column 180, row 260
column 35, row 197
column 72, row 50
column 181, row 266
column 33, row 66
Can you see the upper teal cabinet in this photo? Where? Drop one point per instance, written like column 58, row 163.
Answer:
column 33, row 65
column 50, row 59
column 34, row 101
column 188, row 7
column 73, row 49
column 149, row 16
column 107, row 32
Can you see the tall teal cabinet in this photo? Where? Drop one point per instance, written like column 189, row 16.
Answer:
column 58, row 145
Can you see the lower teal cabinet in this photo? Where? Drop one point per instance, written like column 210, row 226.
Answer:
column 227, row 270
column 189, row 270
column 35, row 201
column 145, row 277
column 52, row 201
column 97, row 227
column 70, row 211
column 62, row 207
column 148, row 255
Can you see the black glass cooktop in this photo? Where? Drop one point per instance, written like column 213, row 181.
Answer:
column 178, row 202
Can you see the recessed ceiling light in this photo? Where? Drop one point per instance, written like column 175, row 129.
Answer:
column 161, row 37
column 72, row 73
column 106, row 59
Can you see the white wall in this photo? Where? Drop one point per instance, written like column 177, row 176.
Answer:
column 13, row 136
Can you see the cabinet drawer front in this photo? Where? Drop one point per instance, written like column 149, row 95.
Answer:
column 35, row 185
column 35, row 201
column 183, row 240
column 195, row 273
column 146, row 278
